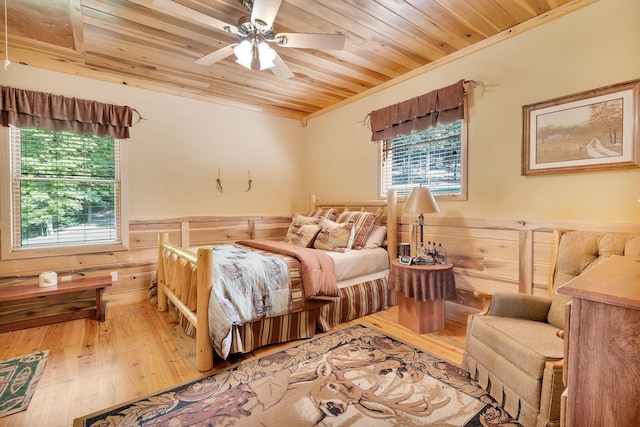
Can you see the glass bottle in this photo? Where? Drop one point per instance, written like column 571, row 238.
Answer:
column 427, row 250
column 442, row 254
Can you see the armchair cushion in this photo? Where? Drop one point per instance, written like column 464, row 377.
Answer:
column 520, row 305
column 556, row 312
column 510, row 358
column 529, row 351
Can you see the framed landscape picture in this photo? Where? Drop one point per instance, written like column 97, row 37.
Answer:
column 587, row 131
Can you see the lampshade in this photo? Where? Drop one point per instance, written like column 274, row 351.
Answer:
column 244, row 53
column 266, row 55
column 421, row 201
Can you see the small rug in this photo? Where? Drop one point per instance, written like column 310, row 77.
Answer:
column 353, row 377
column 19, row 378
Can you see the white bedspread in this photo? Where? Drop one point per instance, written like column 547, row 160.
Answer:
column 361, row 262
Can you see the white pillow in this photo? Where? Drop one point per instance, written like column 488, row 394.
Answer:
column 363, row 222
column 375, row 239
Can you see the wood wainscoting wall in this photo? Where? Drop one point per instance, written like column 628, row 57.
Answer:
column 136, row 266
column 488, row 255
column 496, row 255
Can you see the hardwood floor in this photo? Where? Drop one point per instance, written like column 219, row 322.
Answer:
column 138, row 351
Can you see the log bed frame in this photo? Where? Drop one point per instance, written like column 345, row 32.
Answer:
column 185, row 278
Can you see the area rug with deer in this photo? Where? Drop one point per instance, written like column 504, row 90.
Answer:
column 352, row 377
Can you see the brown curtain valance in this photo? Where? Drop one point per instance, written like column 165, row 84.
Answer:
column 25, row 108
column 444, row 105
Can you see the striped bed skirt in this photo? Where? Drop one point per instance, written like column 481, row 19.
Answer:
column 354, row 301
column 273, row 330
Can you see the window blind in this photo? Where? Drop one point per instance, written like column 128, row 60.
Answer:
column 66, row 188
column 431, row 158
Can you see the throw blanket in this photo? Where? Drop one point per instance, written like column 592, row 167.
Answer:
column 247, row 286
column 317, row 268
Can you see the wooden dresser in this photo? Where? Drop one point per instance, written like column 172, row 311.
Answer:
column 603, row 369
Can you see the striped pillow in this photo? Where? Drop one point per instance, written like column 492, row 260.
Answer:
column 329, row 214
column 362, row 225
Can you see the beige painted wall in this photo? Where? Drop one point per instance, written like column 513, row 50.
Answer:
column 592, row 47
column 174, row 154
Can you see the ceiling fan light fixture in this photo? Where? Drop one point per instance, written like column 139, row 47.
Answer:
column 245, row 62
column 243, row 50
column 266, row 55
column 265, row 65
column 244, row 53
column 253, row 33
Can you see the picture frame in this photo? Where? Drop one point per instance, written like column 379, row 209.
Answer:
column 588, row 131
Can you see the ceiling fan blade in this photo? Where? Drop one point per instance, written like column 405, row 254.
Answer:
column 194, row 15
column 215, row 56
column 312, row 41
column 281, row 71
column 265, row 11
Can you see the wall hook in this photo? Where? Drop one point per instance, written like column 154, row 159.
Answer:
column 250, row 181
column 219, row 182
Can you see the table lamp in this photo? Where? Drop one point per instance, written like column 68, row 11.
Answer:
column 421, row 201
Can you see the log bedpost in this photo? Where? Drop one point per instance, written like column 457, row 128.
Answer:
column 204, row 356
column 392, row 223
column 161, row 280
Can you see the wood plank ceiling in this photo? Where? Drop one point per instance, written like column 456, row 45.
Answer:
column 136, row 43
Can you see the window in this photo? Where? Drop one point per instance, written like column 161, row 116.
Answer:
column 64, row 194
column 434, row 158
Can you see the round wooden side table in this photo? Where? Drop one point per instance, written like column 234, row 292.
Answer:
column 422, row 290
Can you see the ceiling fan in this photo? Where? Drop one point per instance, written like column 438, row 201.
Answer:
column 254, row 34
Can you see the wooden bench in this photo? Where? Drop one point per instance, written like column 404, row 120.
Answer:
column 28, row 317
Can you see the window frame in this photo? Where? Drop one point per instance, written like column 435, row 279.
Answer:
column 6, row 214
column 442, row 197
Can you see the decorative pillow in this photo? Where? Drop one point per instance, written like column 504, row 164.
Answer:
column 333, row 236
column 363, row 222
column 296, row 222
column 376, row 237
column 305, row 235
column 330, row 213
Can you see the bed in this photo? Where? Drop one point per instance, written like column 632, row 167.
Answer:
column 316, row 298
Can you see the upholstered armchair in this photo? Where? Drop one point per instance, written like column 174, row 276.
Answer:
column 514, row 347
